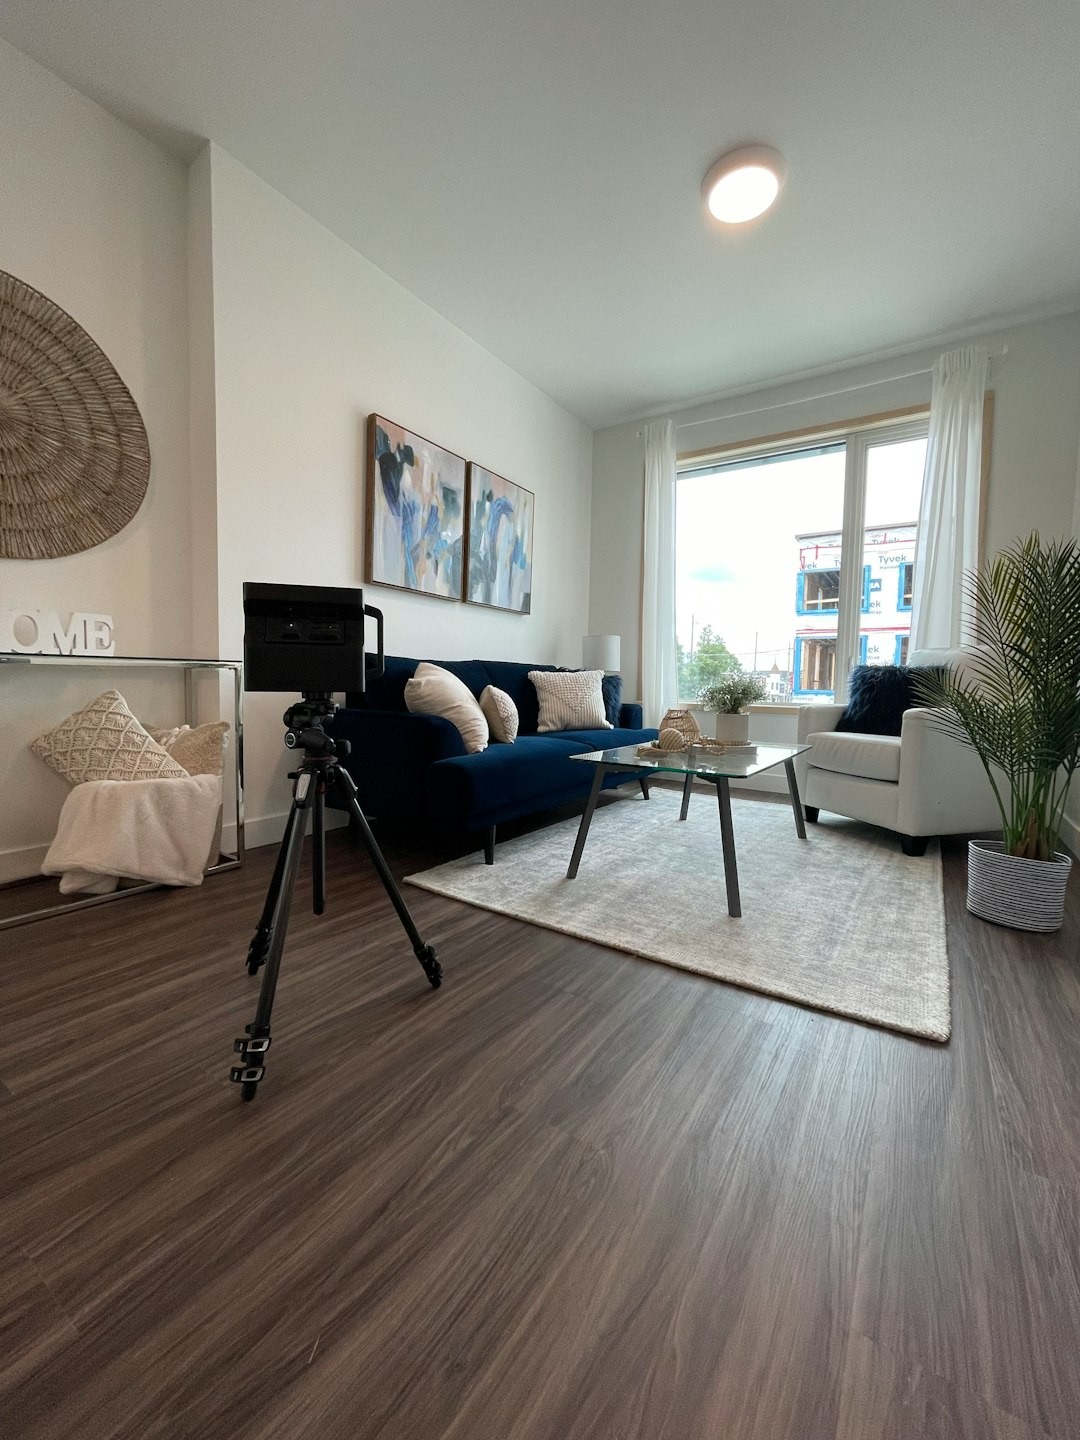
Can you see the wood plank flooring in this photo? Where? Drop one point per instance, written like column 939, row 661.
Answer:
column 569, row 1196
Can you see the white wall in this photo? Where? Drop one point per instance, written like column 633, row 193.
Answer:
column 309, row 338
column 92, row 214
column 1033, row 480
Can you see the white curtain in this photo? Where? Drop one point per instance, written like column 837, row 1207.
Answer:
column 659, row 672
column 948, row 539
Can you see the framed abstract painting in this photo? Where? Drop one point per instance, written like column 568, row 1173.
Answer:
column 500, row 542
column 415, row 513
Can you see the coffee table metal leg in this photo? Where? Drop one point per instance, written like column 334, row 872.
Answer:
column 796, row 803
column 727, row 840
column 586, row 821
column 688, row 785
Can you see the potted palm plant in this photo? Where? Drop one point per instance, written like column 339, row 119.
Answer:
column 727, row 696
column 1016, row 703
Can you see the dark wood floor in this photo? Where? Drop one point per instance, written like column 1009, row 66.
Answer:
column 569, row 1195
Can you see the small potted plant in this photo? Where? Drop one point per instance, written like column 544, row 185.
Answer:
column 728, row 696
column 1016, row 703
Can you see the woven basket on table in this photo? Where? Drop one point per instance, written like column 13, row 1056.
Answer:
column 74, row 457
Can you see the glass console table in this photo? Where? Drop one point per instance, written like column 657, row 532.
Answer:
column 701, row 764
column 14, row 665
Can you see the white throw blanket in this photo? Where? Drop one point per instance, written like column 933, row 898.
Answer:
column 158, row 830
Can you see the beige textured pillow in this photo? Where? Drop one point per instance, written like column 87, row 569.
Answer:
column 104, row 741
column 500, row 713
column 434, row 691
column 201, row 751
column 570, row 700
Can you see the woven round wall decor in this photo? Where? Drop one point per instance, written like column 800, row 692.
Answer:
column 74, row 457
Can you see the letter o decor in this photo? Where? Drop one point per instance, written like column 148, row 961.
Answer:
column 74, row 457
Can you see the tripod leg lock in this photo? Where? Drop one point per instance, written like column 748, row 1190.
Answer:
column 251, row 1049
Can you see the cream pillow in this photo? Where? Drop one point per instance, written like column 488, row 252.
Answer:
column 500, row 713
column 104, row 741
column 434, row 691
column 570, row 700
column 201, row 751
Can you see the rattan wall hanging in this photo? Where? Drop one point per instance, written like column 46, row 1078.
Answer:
column 74, row 458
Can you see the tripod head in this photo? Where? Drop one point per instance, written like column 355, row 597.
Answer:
column 304, row 726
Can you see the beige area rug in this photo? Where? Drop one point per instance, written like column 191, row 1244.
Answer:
column 841, row 921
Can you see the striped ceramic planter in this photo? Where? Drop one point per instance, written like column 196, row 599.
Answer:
column 1011, row 890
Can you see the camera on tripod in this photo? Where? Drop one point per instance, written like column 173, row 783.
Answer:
column 309, row 638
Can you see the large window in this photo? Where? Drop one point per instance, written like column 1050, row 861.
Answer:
column 795, row 563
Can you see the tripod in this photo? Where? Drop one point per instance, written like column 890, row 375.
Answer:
column 319, row 770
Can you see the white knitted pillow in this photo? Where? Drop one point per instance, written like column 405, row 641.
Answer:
column 570, row 700
column 104, row 741
column 201, row 751
column 435, row 691
column 501, row 713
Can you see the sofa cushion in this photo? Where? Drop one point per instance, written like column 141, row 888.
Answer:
column 506, row 778
column 603, row 739
column 870, row 757
column 387, row 691
column 508, row 675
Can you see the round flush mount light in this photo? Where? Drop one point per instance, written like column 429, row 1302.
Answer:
column 742, row 184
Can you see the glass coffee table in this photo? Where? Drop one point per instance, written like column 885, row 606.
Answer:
column 718, row 769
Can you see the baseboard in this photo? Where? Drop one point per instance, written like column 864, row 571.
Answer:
column 268, row 829
column 22, row 863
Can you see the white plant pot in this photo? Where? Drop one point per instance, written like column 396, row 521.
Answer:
column 735, row 729
column 1012, row 890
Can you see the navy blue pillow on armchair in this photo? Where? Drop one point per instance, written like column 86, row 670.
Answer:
column 878, row 695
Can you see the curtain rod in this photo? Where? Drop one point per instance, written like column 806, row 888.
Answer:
column 823, row 395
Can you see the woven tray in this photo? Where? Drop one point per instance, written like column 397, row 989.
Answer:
column 709, row 747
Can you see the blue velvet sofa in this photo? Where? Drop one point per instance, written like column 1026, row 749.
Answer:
column 414, row 769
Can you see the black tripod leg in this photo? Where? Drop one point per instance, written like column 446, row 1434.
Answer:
column 253, row 1046
column 260, row 941
column 424, row 953
column 318, row 852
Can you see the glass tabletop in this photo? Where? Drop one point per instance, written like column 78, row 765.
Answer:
column 736, row 765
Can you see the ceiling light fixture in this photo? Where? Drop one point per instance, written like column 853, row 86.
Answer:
column 743, row 183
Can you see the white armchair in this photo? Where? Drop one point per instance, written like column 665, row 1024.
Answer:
column 919, row 783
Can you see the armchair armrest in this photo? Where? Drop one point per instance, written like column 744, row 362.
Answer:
column 943, row 786
column 630, row 717
column 812, row 719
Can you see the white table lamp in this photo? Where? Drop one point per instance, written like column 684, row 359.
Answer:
column 601, row 652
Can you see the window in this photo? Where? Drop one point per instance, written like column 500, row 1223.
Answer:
column 902, row 649
column 906, row 572
column 747, row 524
column 818, row 590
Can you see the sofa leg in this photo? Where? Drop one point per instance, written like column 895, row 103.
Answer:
column 812, row 813
column 489, row 845
column 914, row 844
column 644, row 786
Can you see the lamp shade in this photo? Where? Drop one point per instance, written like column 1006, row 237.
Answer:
column 601, row 652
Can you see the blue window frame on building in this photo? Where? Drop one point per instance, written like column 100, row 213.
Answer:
column 864, row 642
column 901, row 655
column 817, row 592
column 814, row 662
column 905, row 577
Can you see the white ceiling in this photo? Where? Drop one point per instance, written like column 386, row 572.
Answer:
column 532, row 171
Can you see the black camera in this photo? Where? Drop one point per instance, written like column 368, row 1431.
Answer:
column 308, row 638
